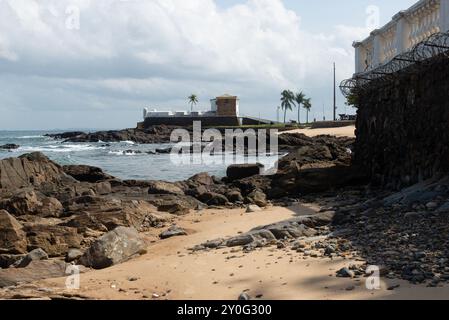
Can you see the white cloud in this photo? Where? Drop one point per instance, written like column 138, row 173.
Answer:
column 158, row 51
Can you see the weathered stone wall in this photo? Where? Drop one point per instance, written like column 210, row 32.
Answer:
column 403, row 126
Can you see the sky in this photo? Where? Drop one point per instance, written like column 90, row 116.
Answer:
column 98, row 63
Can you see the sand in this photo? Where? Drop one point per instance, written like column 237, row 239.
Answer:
column 348, row 131
column 169, row 271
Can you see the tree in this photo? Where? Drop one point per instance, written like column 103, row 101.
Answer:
column 307, row 104
column 193, row 100
column 299, row 99
column 287, row 102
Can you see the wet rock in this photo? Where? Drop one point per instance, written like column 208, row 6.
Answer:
column 35, row 255
column 240, row 171
column 7, row 260
column 9, row 146
column 12, row 236
column 114, row 247
column 86, row 173
column 173, row 231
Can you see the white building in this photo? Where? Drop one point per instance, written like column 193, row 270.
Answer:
column 406, row 29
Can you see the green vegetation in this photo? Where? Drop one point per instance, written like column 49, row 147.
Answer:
column 193, row 100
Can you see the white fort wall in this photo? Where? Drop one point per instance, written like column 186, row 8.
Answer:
column 407, row 28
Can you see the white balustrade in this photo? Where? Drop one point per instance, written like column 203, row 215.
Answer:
column 406, row 29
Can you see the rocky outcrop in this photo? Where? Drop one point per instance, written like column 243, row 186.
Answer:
column 9, row 146
column 86, row 173
column 240, row 171
column 154, row 134
column 55, row 240
column 31, row 170
column 114, row 247
column 12, row 236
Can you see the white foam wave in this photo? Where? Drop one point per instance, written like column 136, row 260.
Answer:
column 123, row 153
column 60, row 148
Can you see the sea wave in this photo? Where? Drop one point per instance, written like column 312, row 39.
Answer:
column 30, row 137
column 124, row 153
column 60, row 148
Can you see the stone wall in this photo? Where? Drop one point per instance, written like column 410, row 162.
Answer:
column 403, row 126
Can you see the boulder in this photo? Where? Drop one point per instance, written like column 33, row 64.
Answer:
column 202, row 179
column 240, row 171
column 240, row 240
column 86, row 173
column 34, row 255
column 173, row 231
column 174, row 204
column 213, row 199
column 234, row 196
column 31, row 170
column 114, row 247
column 12, row 236
column 259, row 198
column 162, row 187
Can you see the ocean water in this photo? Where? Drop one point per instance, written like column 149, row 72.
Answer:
column 112, row 159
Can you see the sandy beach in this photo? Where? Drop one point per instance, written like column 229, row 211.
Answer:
column 170, row 271
column 348, row 131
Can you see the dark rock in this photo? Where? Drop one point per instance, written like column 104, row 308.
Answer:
column 35, row 255
column 10, row 146
column 239, row 240
column 86, row 173
column 114, row 247
column 240, row 171
column 173, row 231
column 345, row 273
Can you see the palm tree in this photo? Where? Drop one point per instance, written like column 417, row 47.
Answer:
column 307, row 104
column 299, row 99
column 287, row 102
column 193, row 100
